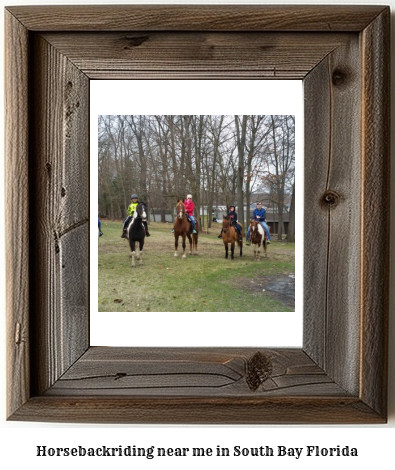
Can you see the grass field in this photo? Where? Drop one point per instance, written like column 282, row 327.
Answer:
column 204, row 283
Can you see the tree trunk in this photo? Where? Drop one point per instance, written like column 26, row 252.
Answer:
column 241, row 141
column 291, row 223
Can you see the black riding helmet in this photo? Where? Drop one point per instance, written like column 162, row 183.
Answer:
column 134, row 196
column 232, row 206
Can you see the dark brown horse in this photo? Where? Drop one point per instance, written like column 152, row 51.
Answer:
column 183, row 228
column 229, row 235
column 258, row 238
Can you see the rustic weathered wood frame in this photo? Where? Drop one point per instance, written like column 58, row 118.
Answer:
column 340, row 374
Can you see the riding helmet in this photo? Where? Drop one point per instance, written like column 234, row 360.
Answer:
column 134, row 196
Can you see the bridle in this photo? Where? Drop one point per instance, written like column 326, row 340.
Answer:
column 138, row 213
column 227, row 226
column 180, row 208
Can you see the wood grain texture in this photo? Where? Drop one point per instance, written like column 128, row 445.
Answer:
column 196, row 55
column 332, row 205
column 376, row 200
column 186, row 372
column 123, row 385
column 17, row 211
column 197, row 18
column 339, row 376
column 198, row 410
column 60, row 194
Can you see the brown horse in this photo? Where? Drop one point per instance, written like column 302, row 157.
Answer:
column 229, row 235
column 258, row 237
column 183, row 228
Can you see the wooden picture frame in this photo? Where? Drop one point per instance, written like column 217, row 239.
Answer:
column 340, row 374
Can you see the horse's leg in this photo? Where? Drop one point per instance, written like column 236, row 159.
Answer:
column 140, row 255
column 190, row 243
column 232, row 250
column 258, row 251
column 195, row 242
column 226, row 250
column 133, row 250
column 195, row 237
column 176, row 245
column 184, row 245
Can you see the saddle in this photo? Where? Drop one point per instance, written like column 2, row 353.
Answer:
column 262, row 231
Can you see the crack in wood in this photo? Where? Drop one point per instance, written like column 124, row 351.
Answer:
column 59, row 235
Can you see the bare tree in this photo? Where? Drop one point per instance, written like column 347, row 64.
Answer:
column 291, row 224
column 219, row 159
column 241, row 133
column 280, row 163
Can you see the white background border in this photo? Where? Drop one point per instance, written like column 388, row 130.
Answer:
column 18, row 440
column 198, row 97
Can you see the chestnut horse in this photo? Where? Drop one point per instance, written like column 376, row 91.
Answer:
column 183, row 228
column 258, row 237
column 229, row 235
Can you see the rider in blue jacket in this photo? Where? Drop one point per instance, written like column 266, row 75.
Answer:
column 259, row 214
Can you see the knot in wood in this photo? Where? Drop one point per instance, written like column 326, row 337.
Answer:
column 330, row 199
column 259, row 369
column 339, row 77
column 135, row 41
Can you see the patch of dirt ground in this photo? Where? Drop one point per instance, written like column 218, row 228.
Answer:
column 280, row 287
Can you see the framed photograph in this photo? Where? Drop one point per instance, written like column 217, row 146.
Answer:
column 339, row 375
column 190, row 287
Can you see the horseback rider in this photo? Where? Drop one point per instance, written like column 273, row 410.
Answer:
column 131, row 210
column 189, row 208
column 232, row 214
column 259, row 214
column 100, row 232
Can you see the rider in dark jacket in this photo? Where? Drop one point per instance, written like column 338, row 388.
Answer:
column 232, row 214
